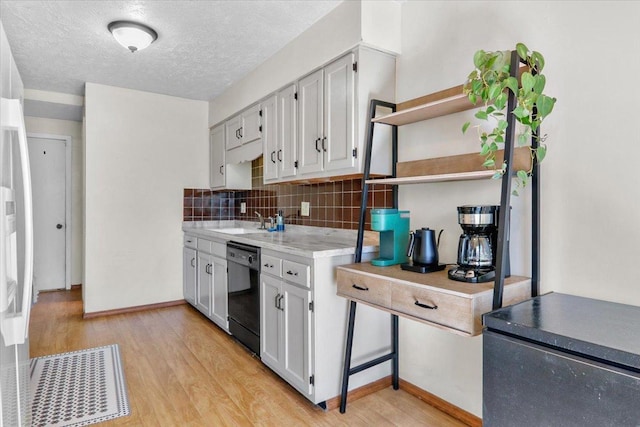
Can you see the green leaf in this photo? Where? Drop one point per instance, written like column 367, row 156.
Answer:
column 501, row 101
column 538, row 60
column 522, row 139
column 522, row 50
column 545, row 105
column 489, row 163
column 494, row 90
column 512, row 83
column 484, row 149
column 520, row 112
column 481, row 114
column 541, row 80
column 490, row 109
column 541, row 152
column 479, row 58
column 527, row 81
column 473, row 98
column 522, row 176
column 483, row 138
column 514, row 193
column 497, row 175
column 465, row 126
column 502, row 124
column 476, row 86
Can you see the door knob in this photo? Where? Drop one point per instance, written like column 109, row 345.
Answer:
column 58, row 226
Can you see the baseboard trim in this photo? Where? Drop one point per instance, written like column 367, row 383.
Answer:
column 133, row 309
column 360, row 392
column 441, row 404
column 78, row 286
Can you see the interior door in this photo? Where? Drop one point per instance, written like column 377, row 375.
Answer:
column 47, row 157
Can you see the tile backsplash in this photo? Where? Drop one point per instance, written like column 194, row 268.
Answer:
column 333, row 204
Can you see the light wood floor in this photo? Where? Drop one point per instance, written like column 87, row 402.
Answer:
column 181, row 370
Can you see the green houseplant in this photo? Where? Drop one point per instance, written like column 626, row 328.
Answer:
column 490, row 83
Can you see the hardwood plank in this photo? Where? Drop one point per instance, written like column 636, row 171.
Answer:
column 183, row 370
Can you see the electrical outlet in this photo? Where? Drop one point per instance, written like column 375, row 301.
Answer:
column 304, row 208
column 243, row 207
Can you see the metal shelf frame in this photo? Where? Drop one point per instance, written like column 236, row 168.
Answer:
column 503, row 220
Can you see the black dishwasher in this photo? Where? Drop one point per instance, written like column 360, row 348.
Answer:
column 243, row 284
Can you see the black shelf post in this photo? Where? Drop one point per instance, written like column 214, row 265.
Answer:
column 393, row 355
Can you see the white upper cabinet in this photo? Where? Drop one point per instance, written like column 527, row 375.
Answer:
column 216, row 157
column 286, row 154
column 222, row 175
column 339, row 114
column 311, row 139
column 243, row 128
column 270, row 138
column 332, row 115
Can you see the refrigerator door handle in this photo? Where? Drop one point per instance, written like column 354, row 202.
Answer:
column 15, row 328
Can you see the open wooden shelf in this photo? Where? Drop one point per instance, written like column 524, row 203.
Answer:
column 421, row 179
column 437, row 104
column 461, row 167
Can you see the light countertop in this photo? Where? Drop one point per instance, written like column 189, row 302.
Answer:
column 309, row 242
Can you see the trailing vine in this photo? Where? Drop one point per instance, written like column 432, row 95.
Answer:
column 490, row 83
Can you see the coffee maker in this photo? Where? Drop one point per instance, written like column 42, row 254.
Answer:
column 393, row 226
column 478, row 244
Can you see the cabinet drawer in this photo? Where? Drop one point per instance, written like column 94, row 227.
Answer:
column 295, row 272
column 446, row 309
column 271, row 265
column 190, row 241
column 364, row 288
column 204, row 245
column 219, row 249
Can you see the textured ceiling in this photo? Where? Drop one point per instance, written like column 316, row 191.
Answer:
column 202, row 47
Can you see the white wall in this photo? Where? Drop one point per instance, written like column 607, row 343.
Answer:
column 590, row 193
column 74, row 130
column 142, row 150
column 372, row 22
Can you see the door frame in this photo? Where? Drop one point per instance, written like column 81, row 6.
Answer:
column 67, row 182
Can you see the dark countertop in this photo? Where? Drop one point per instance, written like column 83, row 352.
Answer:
column 596, row 329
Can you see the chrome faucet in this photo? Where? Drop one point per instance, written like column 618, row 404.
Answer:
column 261, row 218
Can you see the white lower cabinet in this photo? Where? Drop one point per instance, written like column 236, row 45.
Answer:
column 189, row 276
column 205, row 279
column 285, row 331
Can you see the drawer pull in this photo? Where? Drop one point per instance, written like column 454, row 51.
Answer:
column 292, row 273
column 268, row 265
column 362, row 288
column 430, row 307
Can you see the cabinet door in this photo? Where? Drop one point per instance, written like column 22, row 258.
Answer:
column 270, row 139
column 270, row 322
column 250, row 125
column 219, row 306
column 286, row 154
column 216, row 157
column 232, row 128
column 189, row 276
column 205, row 283
column 310, row 122
column 296, row 331
column 339, row 114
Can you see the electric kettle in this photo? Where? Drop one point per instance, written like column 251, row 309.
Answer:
column 423, row 248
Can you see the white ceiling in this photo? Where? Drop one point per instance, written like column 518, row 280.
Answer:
column 203, row 46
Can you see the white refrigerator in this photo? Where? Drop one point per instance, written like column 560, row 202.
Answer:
column 16, row 247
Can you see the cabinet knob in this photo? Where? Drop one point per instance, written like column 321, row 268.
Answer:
column 279, row 155
column 221, row 172
column 317, row 141
column 324, row 139
column 292, row 273
column 273, row 153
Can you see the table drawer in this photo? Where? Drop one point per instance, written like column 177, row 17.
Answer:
column 295, row 272
column 271, row 265
column 364, row 288
column 433, row 306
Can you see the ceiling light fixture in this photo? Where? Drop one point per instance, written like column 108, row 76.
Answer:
column 132, row 35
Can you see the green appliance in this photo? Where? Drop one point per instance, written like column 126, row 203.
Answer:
column 393, row 226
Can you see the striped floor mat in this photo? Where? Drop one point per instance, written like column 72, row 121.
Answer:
column 78, row 388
